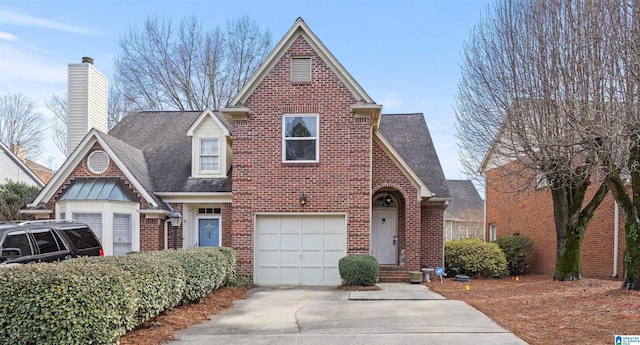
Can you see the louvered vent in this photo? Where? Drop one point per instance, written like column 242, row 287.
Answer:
column 98, row 162
column 301, row 68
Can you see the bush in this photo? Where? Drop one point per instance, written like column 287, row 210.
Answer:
column 72, row 303
column 159, row 281
column 358, row 270
column 205, row 269
column 473, row 257
column 517, row 250
column 95, row 300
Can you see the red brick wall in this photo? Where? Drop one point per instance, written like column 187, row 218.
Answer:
column 151, row 233
column 227, row 224
column 387, row 176
column 339, row 182
column 530, row 214
column 432, row 227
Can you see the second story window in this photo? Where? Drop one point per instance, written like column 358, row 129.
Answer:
column 209, row 155
column 300, row 138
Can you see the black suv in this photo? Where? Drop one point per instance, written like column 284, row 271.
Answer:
column 23, row 242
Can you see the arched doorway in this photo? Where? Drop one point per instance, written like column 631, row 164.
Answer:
column 384, row 229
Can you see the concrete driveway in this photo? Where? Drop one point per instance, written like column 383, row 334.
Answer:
column 398, row 314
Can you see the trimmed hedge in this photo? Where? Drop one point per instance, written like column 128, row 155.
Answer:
column 359, row 270
column 72, row 303
column 517, row 250
column 473, row 257
column 96, row 300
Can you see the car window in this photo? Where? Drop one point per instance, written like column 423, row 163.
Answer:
column 82, row 237
column 18, row 239
column 45, row 240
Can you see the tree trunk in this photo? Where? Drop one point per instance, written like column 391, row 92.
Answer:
column 632, row 257
column 571, row 221
column 568, row 264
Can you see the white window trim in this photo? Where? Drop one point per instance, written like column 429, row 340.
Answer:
column 200, row 155
column 131, row 231
column 284, row 138
column 493, row 232
column 91, row 156
column 196, row 229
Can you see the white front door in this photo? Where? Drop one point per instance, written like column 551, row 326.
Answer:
column 384, row 235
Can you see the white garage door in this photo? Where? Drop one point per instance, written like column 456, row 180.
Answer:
column 300, row 250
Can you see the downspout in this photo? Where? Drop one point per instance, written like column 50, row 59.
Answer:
column 616, row 229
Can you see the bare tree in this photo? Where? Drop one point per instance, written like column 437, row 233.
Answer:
column 617, row 131
column 532, row 73
column 161, row 67
column 58, row 106
column 20, row 124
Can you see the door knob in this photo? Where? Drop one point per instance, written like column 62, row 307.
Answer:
column 395, row 240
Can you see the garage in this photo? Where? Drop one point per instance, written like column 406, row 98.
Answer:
column 299, row 249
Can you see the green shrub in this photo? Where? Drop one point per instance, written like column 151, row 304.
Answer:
column 205, row 270
column 76, row 302
column 242, row 281
column 358, row 270
column 473, row 257
column 159, row 281
column 517, row 250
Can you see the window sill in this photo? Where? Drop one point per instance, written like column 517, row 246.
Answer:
column 300, row 164
column 301, row 82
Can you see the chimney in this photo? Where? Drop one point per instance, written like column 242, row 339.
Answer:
column 87, row 103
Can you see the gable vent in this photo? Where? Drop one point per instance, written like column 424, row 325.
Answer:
column 98, row 162
column 301, row 68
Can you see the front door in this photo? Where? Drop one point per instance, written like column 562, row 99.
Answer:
column 209, row 232
column 384, row 235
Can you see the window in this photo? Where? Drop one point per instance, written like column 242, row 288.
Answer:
column 18, row 239
column 541, row 180
column 62, row 216
column 301, row 68
column 46, row 241
column 121, row 233
column 300, row 138
column 94, row 220
column 82, row 238
column 492, row 232
column 209, row 155
column 208, row 210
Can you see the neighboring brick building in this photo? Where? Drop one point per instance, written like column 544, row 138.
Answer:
column 530, row 213
column 298, row 171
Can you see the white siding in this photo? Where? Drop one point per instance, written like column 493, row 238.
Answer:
column 87, row 103
column 10, row 170
column 209, row 129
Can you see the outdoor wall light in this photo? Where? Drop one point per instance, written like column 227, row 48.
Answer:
column 302, row 200
column 387, row 200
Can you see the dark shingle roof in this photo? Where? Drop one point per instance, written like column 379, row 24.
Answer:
column 162, row 139
column 409, row 135
column 465, row 198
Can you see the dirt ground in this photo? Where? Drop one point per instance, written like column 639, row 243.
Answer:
column 163, row 328
column 542, row 311
column 535, row 308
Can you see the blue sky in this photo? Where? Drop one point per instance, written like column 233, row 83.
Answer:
column 405, row 54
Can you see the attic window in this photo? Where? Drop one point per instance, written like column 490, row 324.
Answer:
column 98, row 162
column 301, row 68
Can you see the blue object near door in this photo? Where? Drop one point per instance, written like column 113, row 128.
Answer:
column 209, row 232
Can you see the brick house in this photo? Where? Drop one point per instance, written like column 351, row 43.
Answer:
column 299, row 170
column 530, row 213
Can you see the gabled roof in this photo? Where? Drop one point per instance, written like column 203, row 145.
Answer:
column 162, row 143
column 409, row 136
column 127, row 158
column 20, row 164
column 299, row 28
column 464, row 199
column 220, row 120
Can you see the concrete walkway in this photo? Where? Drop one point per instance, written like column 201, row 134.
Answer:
column 396, row 314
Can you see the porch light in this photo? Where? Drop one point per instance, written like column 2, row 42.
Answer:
column 387, row 200
column 175, row 222
column 302, row 200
